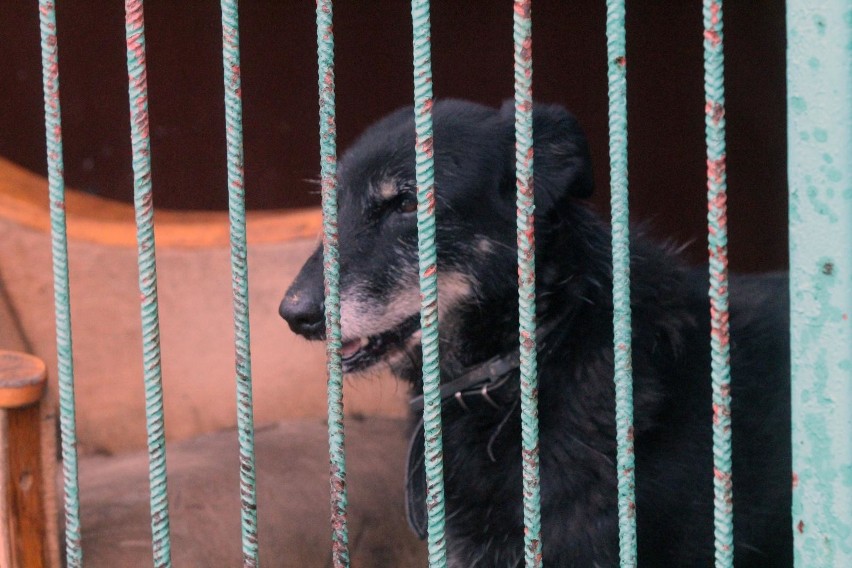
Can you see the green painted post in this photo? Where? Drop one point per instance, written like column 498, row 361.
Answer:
column 522, row 35
column 140, row 139
column 239, row 278
column 819, row 107
column 331, row 276
column 717, row 246
column 61, row 290
column 428, row 269
column 616, row 47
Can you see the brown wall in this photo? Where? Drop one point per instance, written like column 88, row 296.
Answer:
column 472, row 59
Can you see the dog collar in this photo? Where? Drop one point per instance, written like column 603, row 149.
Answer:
column 488, row 376
column 478, row 380
column 483, row 378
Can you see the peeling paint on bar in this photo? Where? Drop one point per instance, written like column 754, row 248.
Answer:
column 621, row 315
column 59, row 249
column 425, row 170
column 239, row 278
column 717, row 243
column 522, row 35
column 143, row 203
column 819, row 119
column 331, row 272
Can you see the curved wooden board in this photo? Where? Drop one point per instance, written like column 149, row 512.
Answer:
column 24, row 200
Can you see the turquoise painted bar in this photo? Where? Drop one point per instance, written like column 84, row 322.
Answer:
column 819, row 119
column 331, row 275
column 144, row 207
column 717, row 247
column 522, row 36
column 621, row 315
column 428, row 270
column 61, row 292
column 239, row 278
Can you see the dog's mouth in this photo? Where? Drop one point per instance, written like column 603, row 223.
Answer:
column 363, row 352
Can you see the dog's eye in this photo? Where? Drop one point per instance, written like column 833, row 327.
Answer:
column 407, row 204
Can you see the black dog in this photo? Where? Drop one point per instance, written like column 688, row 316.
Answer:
column 475, row 185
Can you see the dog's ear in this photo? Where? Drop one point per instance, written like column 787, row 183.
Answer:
column 561, row 162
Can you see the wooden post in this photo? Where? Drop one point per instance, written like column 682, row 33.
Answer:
column 26, row 527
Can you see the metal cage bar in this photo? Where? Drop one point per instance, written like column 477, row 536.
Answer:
column 428, row 270
column 621, row 314
column 331, row 275
column 522, row 36
column 59, row 249
column 144, row 206
column 239, row 278
column 819, row 119
column 717, row 242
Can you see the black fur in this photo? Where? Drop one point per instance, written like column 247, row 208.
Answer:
column 475, row 187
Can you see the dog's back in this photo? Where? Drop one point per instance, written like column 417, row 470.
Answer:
column 675, row 460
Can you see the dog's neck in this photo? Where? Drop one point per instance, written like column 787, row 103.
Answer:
column 483, row 380
column 574, row 289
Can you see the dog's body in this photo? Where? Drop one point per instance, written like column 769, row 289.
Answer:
column 478, row 321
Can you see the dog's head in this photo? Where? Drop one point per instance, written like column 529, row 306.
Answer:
column 476, row 235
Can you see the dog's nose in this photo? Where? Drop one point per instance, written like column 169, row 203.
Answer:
column 304, row 314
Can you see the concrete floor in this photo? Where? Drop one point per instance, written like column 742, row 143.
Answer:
column 292, row 500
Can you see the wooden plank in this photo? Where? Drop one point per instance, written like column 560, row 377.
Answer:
column 5, row 533
column 25, row 489
column 48, row 408
column 24, row 201
column 22, row 385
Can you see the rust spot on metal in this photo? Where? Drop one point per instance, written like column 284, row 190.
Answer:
column 795, row 480
column 800, row 526
column 715, row 8
column 719, row 412
column 531, row 456
column 526, row 51
column 724, row 476
column 235, row 74
column 715, row 171
column 426, row 146
column 715, row 110
column 712, row 36
column 828, row 269
column 621, row 61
